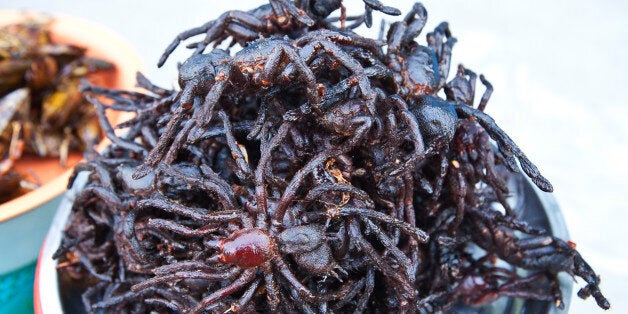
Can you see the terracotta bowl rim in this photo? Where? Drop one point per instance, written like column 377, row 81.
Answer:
column 94, row 36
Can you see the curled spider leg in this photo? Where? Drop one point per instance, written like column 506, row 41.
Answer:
column 311, row 50
column 295, row 12
column 284, row 53
column 297, row 179
column 109, row 131
column 415, row 21
column 404, row 281
column 213, row 185
column 226, row 22
column 305, row 293
column 180, row 37
column 487, row 93
column 245, row 278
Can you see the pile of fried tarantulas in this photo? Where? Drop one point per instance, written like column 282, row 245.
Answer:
column 305, row 168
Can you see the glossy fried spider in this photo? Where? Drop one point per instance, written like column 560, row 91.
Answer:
column 251, row 247
column 438, row 120
column 265, row 63
column 420, row 70
column 533, row 252
column 279, row 17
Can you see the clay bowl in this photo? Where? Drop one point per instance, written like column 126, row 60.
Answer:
column 24, row 220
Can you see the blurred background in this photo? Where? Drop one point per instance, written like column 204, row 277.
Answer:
column 559, row 74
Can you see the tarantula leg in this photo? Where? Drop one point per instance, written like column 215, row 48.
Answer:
column 487, row 93
column 183, row 36
column 343, row 38
column 404, row 281
column 169, row 225
column 408, row 200
column 414, row 232
column 303, row 291
column 415, row 21
column 472, row 80
column 196, row 214
column 584, row 271
column 246, row 297
column 461, row 88
column 244, row 170
column 97, row 171
column 178, row 142
column 319, row 192
column 182, row 275
column 442, row 50
column 108, row 129
column 411, row 125
column 214, row 185
column 402, row 260
column 284, row 53
column 157, row 153
column 271, row 288
column 145, row 83
column 200, row 266
column 115, row 300
column 395, row 36
column 103, row 194
column 458, row 187
column 211, row 99
column 262, row 166
column 335, row 93
column 444, row 62
column 368, row 290
column 378, row 6
column 295, row 12
column 246, row 277
column 297, row 179
column 216, row 29
column 352, row 293
column 507, row 146
column 404, row 32
column 310, row 51
column 298, row 305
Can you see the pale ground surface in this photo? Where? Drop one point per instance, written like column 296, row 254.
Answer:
column 560, row 90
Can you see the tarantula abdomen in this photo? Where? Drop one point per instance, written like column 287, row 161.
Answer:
column 247, row 248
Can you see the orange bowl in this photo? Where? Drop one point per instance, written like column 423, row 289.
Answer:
column 24, row 220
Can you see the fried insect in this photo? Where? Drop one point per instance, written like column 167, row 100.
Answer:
column 279, row 17
column 312, row 173
column 39, row 86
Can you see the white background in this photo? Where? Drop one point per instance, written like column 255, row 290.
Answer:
column 559, row 73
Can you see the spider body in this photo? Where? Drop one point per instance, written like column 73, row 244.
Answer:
column 536, row 252
column 439, row 119
column 420, row 70
column 279, row 17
